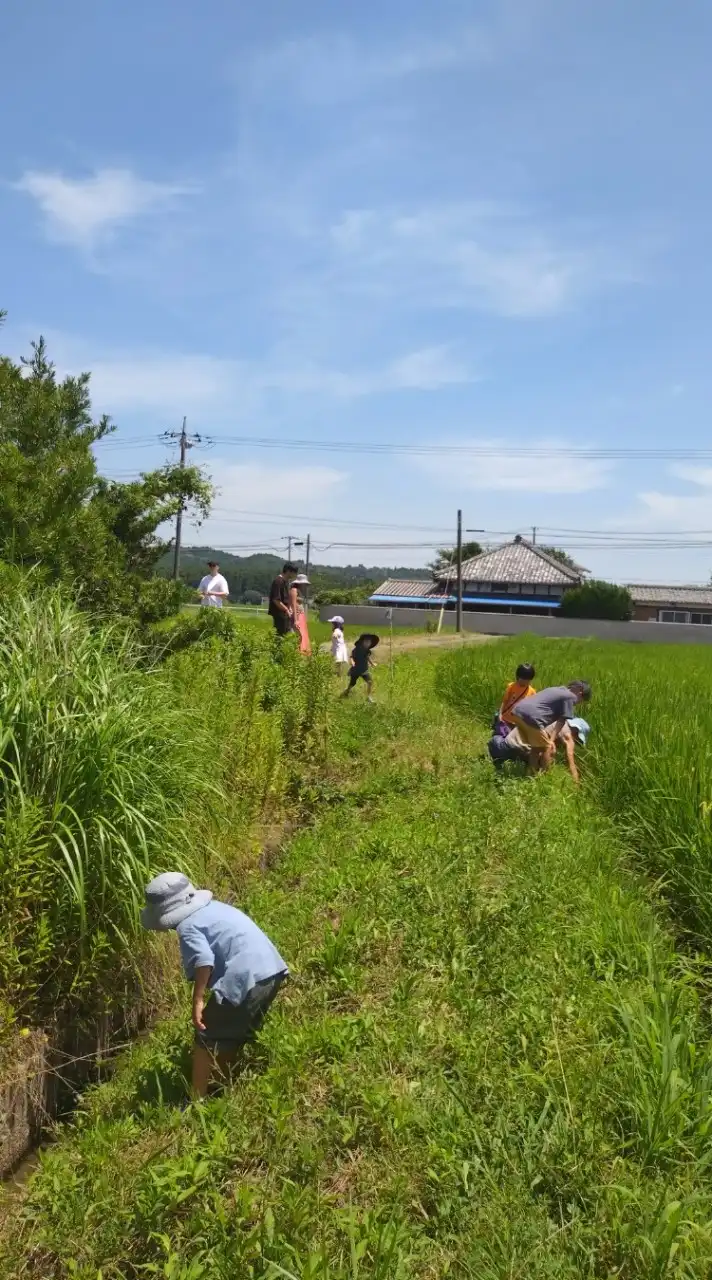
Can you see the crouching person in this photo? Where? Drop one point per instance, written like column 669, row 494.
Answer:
column 235, row 970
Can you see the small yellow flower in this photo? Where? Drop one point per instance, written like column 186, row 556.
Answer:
column 25, row 1031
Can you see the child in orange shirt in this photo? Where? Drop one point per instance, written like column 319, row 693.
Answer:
column 517, row 689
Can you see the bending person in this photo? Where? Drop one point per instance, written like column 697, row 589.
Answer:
column 540, row 719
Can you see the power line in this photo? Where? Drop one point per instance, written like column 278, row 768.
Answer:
column 592, row 453
column 477, row 451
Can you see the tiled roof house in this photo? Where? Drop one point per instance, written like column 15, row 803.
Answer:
column 671, row 604
column 517, row 575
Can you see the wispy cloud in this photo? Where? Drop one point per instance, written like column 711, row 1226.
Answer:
column 79, row 211
column 694, row 474
column 175, row 382
column 656, row 509
column 504, row 469
column 479, row 255
column 258, row 487
column 321, row 70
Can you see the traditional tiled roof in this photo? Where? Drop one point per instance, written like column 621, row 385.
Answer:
column 519, row 562
column 411, row 588
column 659, row 595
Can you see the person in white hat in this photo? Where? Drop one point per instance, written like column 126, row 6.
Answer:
column 235, row 970
column 297, row 592
column 339, row 651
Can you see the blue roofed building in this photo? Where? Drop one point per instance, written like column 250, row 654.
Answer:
column 515, row 577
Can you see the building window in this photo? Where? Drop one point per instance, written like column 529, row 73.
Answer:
column 541, row 589
column 704, row 618
column 673, row 615
column 514, row 589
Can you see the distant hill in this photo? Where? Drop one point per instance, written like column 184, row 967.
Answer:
column 255, row 573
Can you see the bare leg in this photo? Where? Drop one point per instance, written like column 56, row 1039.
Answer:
column 534, row 761
column 203, row 1061
column 226, row 1059
column 548, row 757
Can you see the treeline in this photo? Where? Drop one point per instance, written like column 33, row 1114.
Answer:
column 250, row 576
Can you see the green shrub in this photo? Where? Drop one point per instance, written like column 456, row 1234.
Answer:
column 596, row 599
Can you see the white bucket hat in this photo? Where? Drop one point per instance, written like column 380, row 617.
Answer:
column 337, row 619
column 171, row 898
column 301, row 580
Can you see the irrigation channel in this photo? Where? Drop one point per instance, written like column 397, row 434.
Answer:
column 493, row 1059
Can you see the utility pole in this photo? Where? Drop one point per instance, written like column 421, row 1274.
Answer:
column 533, row 535
column 186, row 442
column 458, row 600
column 289, row 550
column 306, row 573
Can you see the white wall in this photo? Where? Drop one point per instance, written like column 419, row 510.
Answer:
column 510, row 624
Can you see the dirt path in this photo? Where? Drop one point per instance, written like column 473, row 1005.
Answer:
column 404, row 644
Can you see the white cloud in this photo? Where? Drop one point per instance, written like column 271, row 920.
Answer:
column 171, row 383
column 174, row 384
column 426, row 370
column 504, row 468
column 258, row 487
column 322, row 70
column 673, row 512
column 656, row 510
column 478, row 255
column 695, row 474
column 78, row 211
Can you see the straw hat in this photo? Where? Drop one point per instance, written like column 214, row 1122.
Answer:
column 171, row 898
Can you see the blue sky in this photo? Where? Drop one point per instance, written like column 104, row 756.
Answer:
column 482, row 223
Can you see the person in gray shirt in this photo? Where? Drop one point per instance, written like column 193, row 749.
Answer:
column 541, row 718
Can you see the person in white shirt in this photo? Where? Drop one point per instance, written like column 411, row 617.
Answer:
column 213, row 587
column 339, row 651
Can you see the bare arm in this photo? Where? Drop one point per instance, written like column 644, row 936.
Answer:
column 200, row 983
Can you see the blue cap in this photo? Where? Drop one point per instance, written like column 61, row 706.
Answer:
column 582, row 727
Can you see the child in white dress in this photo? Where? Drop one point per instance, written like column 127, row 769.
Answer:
column 339, row 651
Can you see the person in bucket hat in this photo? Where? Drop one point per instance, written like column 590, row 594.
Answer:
column 235, row 970
column 361, row 663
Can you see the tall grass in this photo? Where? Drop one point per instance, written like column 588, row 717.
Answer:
column 110, row 772
column 650, row 754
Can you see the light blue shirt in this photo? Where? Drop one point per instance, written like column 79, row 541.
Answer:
column 240, row 954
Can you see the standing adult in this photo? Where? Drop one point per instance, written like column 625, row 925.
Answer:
column 213, row 588
column 279, row 603
column 297, row 592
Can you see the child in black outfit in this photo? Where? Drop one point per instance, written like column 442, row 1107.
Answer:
column 361, row 661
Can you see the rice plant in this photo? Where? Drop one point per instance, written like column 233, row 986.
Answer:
column 649, row 762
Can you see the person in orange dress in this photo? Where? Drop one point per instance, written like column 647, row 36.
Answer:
column 296, row 591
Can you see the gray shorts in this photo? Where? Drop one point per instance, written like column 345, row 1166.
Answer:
column 227, row 1026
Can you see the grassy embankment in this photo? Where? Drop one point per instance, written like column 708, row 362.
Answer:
column 490, row 1062
column 112, row 769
